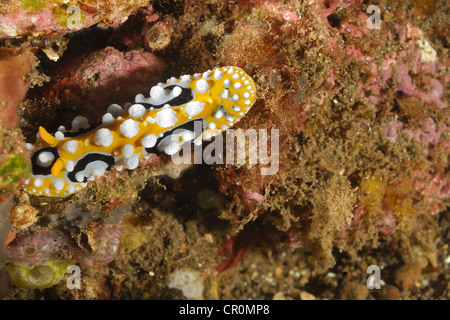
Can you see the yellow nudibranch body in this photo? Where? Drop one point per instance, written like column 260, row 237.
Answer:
column 182, row 110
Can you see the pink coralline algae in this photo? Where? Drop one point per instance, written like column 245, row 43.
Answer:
column 108, row 63
column 406, row 85
column 391, row 130
column 112, row 67
column 428, row 134
column 407, row 32
column 275, row 7
column 388, row 223
column 422, row 58
column 358, row 27
column 357, row 220
column 102, row 75
column 105, row 247
column 254, row 196
column 15, row 65
column 418, row 58
column 50, row 18
column 36, row 247
column 432, row 186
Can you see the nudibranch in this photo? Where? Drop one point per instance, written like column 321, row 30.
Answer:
column 191, row 108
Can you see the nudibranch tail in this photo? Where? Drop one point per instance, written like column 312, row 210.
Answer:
column 182, row 110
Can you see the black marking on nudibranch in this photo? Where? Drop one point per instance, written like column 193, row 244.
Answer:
column 81, row 131
column 185, row 96
column 192, row 125
column 37, row 169
column 86, row 160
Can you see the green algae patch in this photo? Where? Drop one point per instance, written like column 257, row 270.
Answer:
column 11, row 171
column 34, row 4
